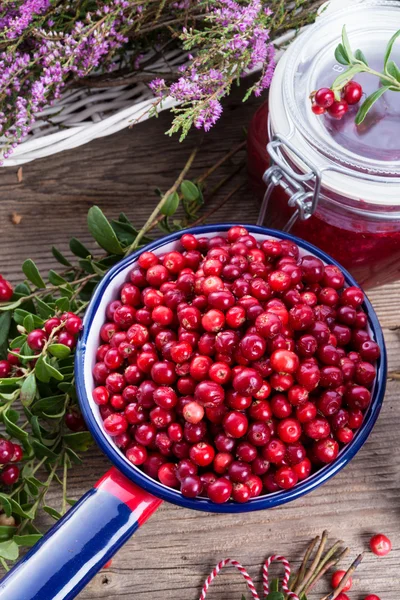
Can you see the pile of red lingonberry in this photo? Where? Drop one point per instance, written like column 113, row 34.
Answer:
column 323, row 100
column 233, row 367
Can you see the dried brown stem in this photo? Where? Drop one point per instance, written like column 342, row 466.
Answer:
column 324, row 569
column 303, row 566
column 221, row 161
column 345, row 579
column 302, row 584
column 394, row 376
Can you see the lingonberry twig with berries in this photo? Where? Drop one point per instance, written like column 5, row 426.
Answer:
column 344, row 91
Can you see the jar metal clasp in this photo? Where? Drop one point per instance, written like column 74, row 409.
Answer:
column 302, row 197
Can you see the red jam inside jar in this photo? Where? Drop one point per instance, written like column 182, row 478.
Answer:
column 362, row 231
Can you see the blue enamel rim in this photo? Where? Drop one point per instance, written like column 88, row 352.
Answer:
column 261, row 502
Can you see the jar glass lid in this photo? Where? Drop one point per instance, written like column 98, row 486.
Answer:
column 374, row 146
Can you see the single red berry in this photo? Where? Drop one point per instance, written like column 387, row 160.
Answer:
column 317, row 110
column 286, row 478
column 5, row 368
column 241, row 493
column 74, row 421
column 18, row 453
column 324, row 97
column 101, row 395
column 6, row 451
column 191, row 486
column 9, row 474
column 338, row 109
column 352, row 92
column 36, row 339
column 235, row 424
column 326, row 450
column 372, row 597
column 289, row 430
column 342, row 596
column 220, row 490
column 193, row 412
column 136, row 454
column 337, row 578
column 115, row 424
column 73, row 324
column 67, row 339
column 6, row 290
column 380, row 544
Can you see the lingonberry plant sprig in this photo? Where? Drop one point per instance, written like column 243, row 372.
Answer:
column 43, row 433
column 344, row 91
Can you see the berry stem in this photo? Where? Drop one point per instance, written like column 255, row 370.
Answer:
column 148, row 225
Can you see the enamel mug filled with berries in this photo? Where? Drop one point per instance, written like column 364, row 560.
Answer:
column 325, row 179
column 225, row 368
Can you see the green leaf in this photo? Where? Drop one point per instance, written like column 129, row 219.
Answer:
column 32, row 273
column 275, row 596
column 27, row 540
column 55, row 278
column 6, row 532
column 389, row 49
column 80, row 441
column 60, row 257
column 341, row 56
column 368, row 103
column 62, row 304
column 22, row 289
column 52, row 512
column 17, row 342
column 359, row 55
column 171, row 205
column 78, row 248
column 44, row 310
column 29, row 323
column 41, row 371
column 5, row 323
column 189, row 191
column 346, row 76
column 6, row 504
column 73, row 456
column 28, row 390
column 102, row 231
column 6, row 306
column 42, row 451
column 71, row 501
column 9, row 550
column 20, row 314
column 59, row 350
column 346, row 44
column 55, row 373
column 393, row 70
column 12, row 428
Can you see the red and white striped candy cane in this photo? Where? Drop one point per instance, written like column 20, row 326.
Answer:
column 285, row 581
column 241, row 570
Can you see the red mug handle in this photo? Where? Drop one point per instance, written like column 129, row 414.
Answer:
column 82, row 542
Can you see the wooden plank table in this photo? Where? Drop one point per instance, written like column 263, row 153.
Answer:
column 171, row 555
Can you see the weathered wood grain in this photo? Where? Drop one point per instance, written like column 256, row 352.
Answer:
column 172, row 554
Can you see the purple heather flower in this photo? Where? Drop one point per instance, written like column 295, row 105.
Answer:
column 209, row 115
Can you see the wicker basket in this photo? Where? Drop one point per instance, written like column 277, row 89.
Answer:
column 82, row 114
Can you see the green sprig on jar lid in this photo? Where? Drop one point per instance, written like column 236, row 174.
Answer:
column 344, row 91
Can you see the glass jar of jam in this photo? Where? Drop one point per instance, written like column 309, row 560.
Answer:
column 333, row 183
